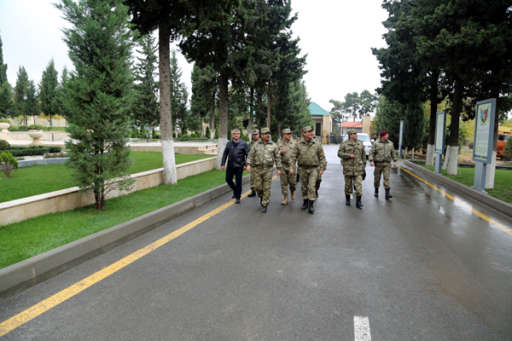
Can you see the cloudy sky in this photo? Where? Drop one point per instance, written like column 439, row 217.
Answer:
column 336, row 35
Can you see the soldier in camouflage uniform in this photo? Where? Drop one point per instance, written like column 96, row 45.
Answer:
column 286, row 145
column 310, row 157
column 254, row 140
column 353, row 159
column 381, row 155
column 261, row 160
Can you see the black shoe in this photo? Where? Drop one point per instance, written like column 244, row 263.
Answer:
column 347, row 199
column 305, row 204
column 388, row 195
column 237, row 201
column 359, row 204
column 252, row 194
column 376, row 194
column 311, row 208
column 263, row 209
column 233, row 197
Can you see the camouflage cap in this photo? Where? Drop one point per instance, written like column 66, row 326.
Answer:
column 351, row 131
column 255, row 132
column 287, row 131
column 265, row 130
column 307, row 128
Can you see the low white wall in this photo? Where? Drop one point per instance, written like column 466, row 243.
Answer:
column 67, row 199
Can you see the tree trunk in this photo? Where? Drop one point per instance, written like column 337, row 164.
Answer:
column 211, row 124
column 452, row 152
column 433, row 117
column 251, row 114
column 268, row 106
column 223, row 117
column 169, row 162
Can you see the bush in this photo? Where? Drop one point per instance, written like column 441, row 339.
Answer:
column 5, row 120
column 245, row 138
column 507, row 153
column 4, row 145
column 30, row 151
column 27, row 128
column 7, row 163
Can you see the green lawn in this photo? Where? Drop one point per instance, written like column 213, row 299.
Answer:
column 502, row 181
column 34, row 180
column 28, row 238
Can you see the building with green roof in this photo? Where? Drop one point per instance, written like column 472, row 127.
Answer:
column 323, row 121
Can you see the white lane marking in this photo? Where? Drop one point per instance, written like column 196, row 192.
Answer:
column 362, row 328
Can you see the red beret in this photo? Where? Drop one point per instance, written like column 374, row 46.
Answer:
column 383, row 132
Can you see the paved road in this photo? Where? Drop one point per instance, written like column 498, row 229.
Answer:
column 419, row 267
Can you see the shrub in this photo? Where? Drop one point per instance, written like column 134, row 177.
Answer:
column 507, row 153
column 5, row 120
column 7, row 163
column 29, row 151
column 4, row 145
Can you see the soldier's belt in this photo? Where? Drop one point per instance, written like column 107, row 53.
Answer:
column 309, row 166
column 263, row 167
column 383, row 161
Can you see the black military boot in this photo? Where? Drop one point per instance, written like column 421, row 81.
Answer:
column 347, row 199
column 305, row 204
column 359, row 204
column 388, row 195
column 264, row 209
column 311, row 208
column 376, row 194
column 252, row 194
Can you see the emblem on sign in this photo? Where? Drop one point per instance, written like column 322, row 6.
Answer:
column 484, row 115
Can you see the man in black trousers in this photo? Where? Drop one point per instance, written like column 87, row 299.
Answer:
column 236, row 152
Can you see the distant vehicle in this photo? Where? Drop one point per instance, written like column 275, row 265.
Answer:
column 504, row 135
column 365, row 138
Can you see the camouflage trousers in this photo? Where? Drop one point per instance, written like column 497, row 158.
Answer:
column 308, row 179
column 381, row 168
column 287, row 180
column 251, row 180
column 263, row 183
column 354, row 181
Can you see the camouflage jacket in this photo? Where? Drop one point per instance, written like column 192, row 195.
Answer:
column 382, row 151
column 264, row 155
column 308, row 154
column 286, row 157
column 352, row 166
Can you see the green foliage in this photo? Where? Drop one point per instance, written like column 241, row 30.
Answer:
column 7, row 163
column 21, row 93
column 355, row 105
column 146, row 110
column 4, row 145
column 507, row 152
column 48, row 93
column 31, row 151
column 99, row 92
column 179, row 96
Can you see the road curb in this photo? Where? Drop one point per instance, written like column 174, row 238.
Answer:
column 41, row 267
column 463, row 190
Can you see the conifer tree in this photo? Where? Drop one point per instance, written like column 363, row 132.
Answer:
column 5, row 87
column 48, row 91
column 20, row 93
column 99, row 92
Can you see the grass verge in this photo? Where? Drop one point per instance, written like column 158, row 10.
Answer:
column 502, row 182
column 28, row 181
column 31, row 237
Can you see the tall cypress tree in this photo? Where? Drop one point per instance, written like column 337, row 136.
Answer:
column 32, row 104
column 98, row 95
column 146, row 107
column 5, row 87
column 20, row 93
column 48, row 91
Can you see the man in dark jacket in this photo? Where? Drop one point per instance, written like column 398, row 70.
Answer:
column 236, row 152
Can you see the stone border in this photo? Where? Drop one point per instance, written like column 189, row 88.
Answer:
column 481, row 198
column 70, row 198
column 41, row 267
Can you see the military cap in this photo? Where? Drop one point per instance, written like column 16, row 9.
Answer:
column 265, row 130
column 307, row 128
column 287, row 131
column 255, row 132
column 351, row 131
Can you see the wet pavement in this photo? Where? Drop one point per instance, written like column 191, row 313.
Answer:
column 418, row 267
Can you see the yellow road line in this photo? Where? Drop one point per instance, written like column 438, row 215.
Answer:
column 65, row 294
column 488, row 219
